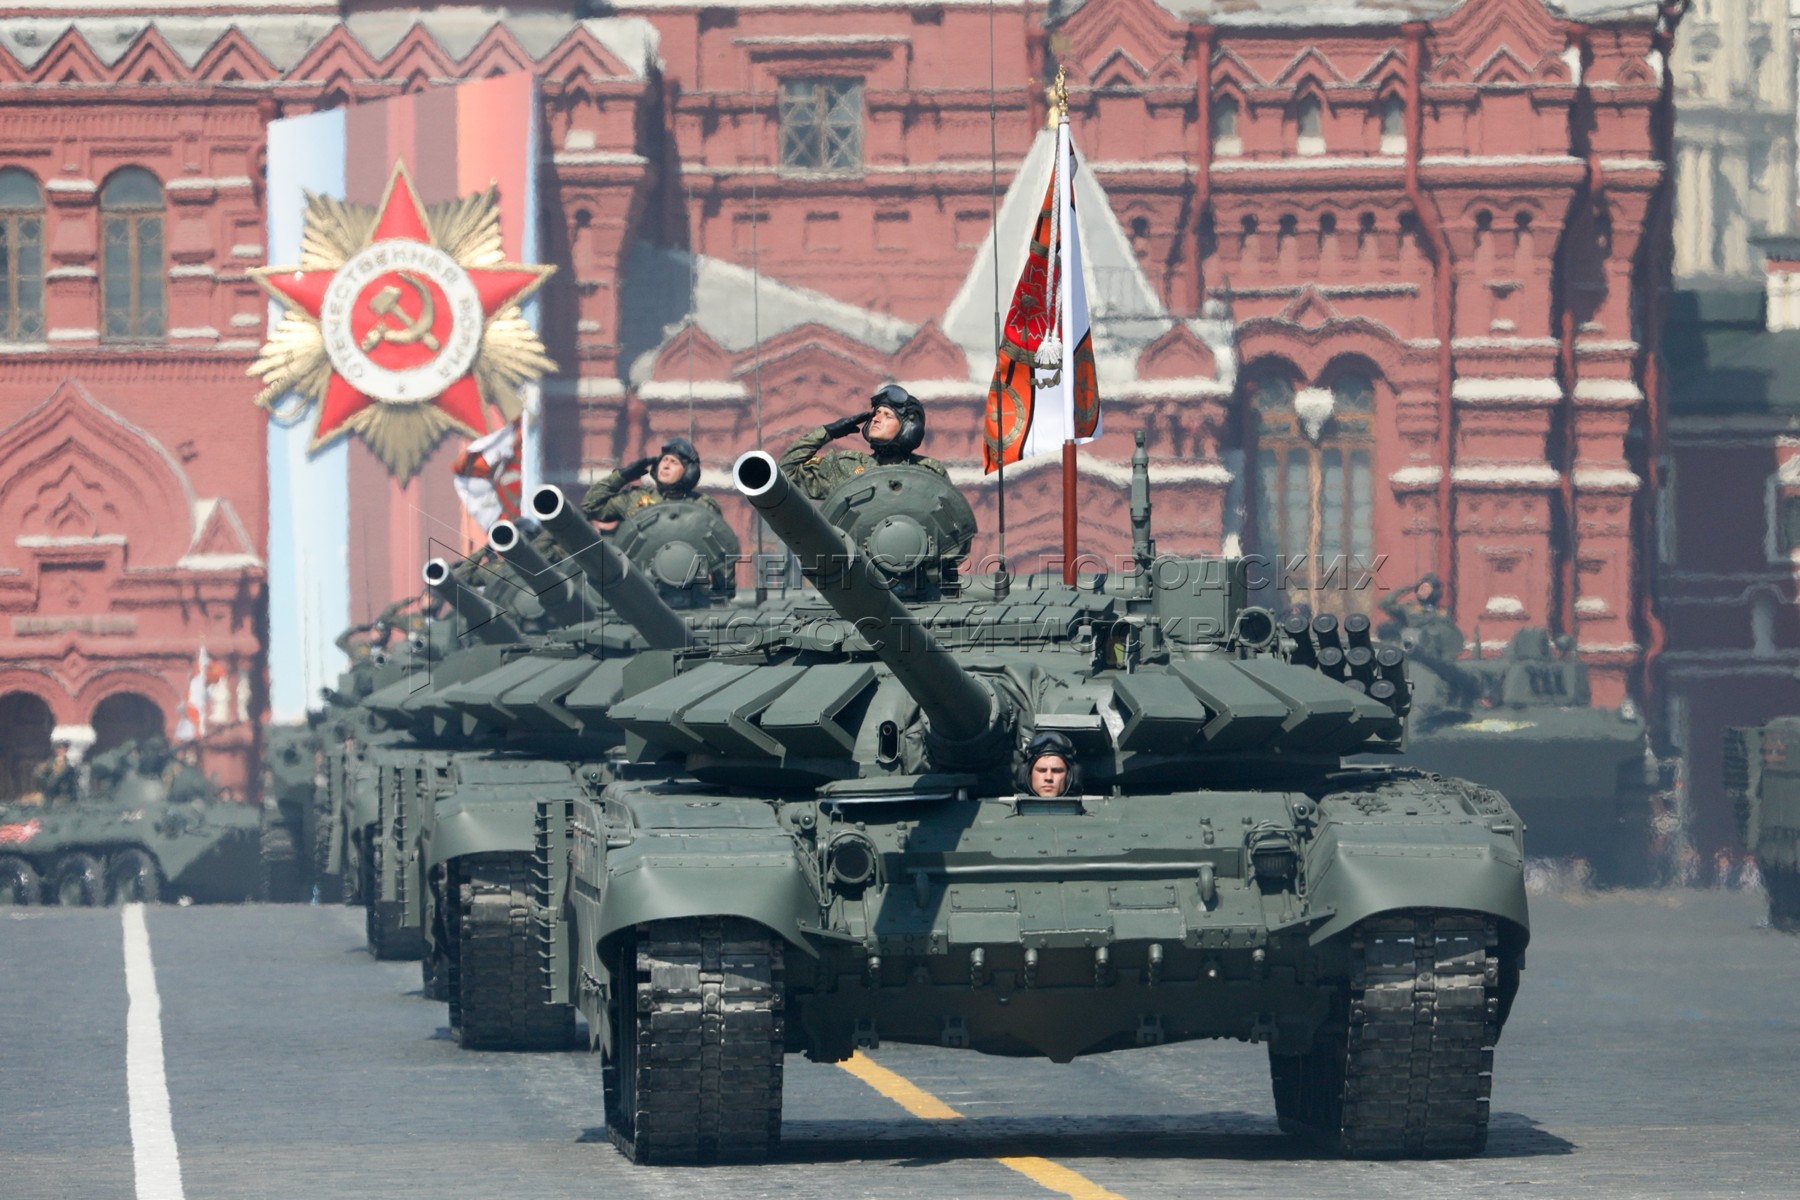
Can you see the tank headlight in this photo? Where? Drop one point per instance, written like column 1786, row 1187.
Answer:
column 1628, row 709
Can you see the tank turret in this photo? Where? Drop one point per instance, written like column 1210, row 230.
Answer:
column 966, row 715
column 481, row 618
column 685, row 547
column 560, row 590
column 631, row 595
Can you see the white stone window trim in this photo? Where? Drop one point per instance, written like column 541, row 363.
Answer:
column 1783, row 484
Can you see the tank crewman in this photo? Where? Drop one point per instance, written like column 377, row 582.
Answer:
column 1426, row 594
column 57, row 779
column 1049, row 767
column 182, row 774
column 894, row 427
column 616, row 495
column 1422, row 624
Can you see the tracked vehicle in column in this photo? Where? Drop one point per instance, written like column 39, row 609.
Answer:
column 1583, row 778
column 497, row 714
column 854, row 858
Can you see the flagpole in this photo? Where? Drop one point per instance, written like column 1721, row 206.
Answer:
column 1065, row 329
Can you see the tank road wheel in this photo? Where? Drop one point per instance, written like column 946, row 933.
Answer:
column 19, row 883
column 132, row 876
column 78, row 881
column 1407, row 1070
column 501, row 980
column 697, row 1010
column 1783, row 886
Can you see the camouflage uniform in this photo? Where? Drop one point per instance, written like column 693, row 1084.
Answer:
column 817, row 471
column 58, row 784
column 612, row 498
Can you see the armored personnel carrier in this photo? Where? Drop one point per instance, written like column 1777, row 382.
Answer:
column 1584, row 779
column 144, row 829
column 1764, row 786
column 855, row 855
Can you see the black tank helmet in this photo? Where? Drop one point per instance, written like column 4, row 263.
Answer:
column 1041, row 746
column 906, row 406
column 690, row 461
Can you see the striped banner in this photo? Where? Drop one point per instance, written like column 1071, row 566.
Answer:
column 345, row 538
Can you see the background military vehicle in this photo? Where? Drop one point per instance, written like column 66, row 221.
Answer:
column 851, row 860
column 1583, row 779
column 145, row 828
column 1764, row 785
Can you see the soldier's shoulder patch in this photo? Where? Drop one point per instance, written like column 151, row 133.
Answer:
column 859, row 471
column 645, row 498
column 815, row 460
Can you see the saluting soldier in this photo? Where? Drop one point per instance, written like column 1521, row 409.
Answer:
column 675, row 473
column 58, row 779
column 894, row 427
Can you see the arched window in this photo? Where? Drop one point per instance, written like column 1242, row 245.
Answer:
column 131, row 265
column 1393, row 125
column 1309, row 123
column 1226, row 140
column 21, row 257
column 1314, row 487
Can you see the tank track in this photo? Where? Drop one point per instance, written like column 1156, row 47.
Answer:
column 501, row 987
column 698, row 1043
column 389, row 940
column 1409, row 1072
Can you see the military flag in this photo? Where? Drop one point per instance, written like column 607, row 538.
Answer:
column 191, row 725
column 489, row 478
column 1044, row 393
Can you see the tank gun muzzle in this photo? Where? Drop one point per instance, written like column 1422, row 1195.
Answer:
column 624, row 587
column 969, row 720
column 481, row 618
column 562, row 592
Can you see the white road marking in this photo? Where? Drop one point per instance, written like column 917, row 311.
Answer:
column 154, row 1157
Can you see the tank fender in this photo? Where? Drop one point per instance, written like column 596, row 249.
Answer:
column 767, row 884
column 484, row 823
column 1356, row 879
column 365, row 798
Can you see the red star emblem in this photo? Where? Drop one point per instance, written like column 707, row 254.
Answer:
column 400, row 319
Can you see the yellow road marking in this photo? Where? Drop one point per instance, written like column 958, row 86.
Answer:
column 901, row 1090
column 1057, row 1178
column 922, row 1104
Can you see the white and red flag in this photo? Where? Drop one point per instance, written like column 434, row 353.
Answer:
column 490, row 476
column 1044, row 392
column 191, row 726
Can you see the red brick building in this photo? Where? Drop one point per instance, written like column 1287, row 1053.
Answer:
column 1375, row 279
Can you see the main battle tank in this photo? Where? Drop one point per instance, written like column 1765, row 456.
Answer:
column 1584, row 779
column 145, row 829
column 852, row 859
column 1764, row 785
column 499, row 724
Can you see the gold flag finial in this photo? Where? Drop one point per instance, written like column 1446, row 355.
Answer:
column 1058, row 96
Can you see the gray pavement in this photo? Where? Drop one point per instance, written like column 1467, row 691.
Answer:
column 1654, row 1051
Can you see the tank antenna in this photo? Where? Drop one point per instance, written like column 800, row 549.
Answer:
column 756, row 349
column 1143, row 546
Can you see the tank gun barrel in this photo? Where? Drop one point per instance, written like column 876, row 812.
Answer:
column 962, row 710
column 631, row 595
column 561, row 592
column 481, row 617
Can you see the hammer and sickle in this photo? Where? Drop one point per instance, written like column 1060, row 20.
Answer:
column 411, row 329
